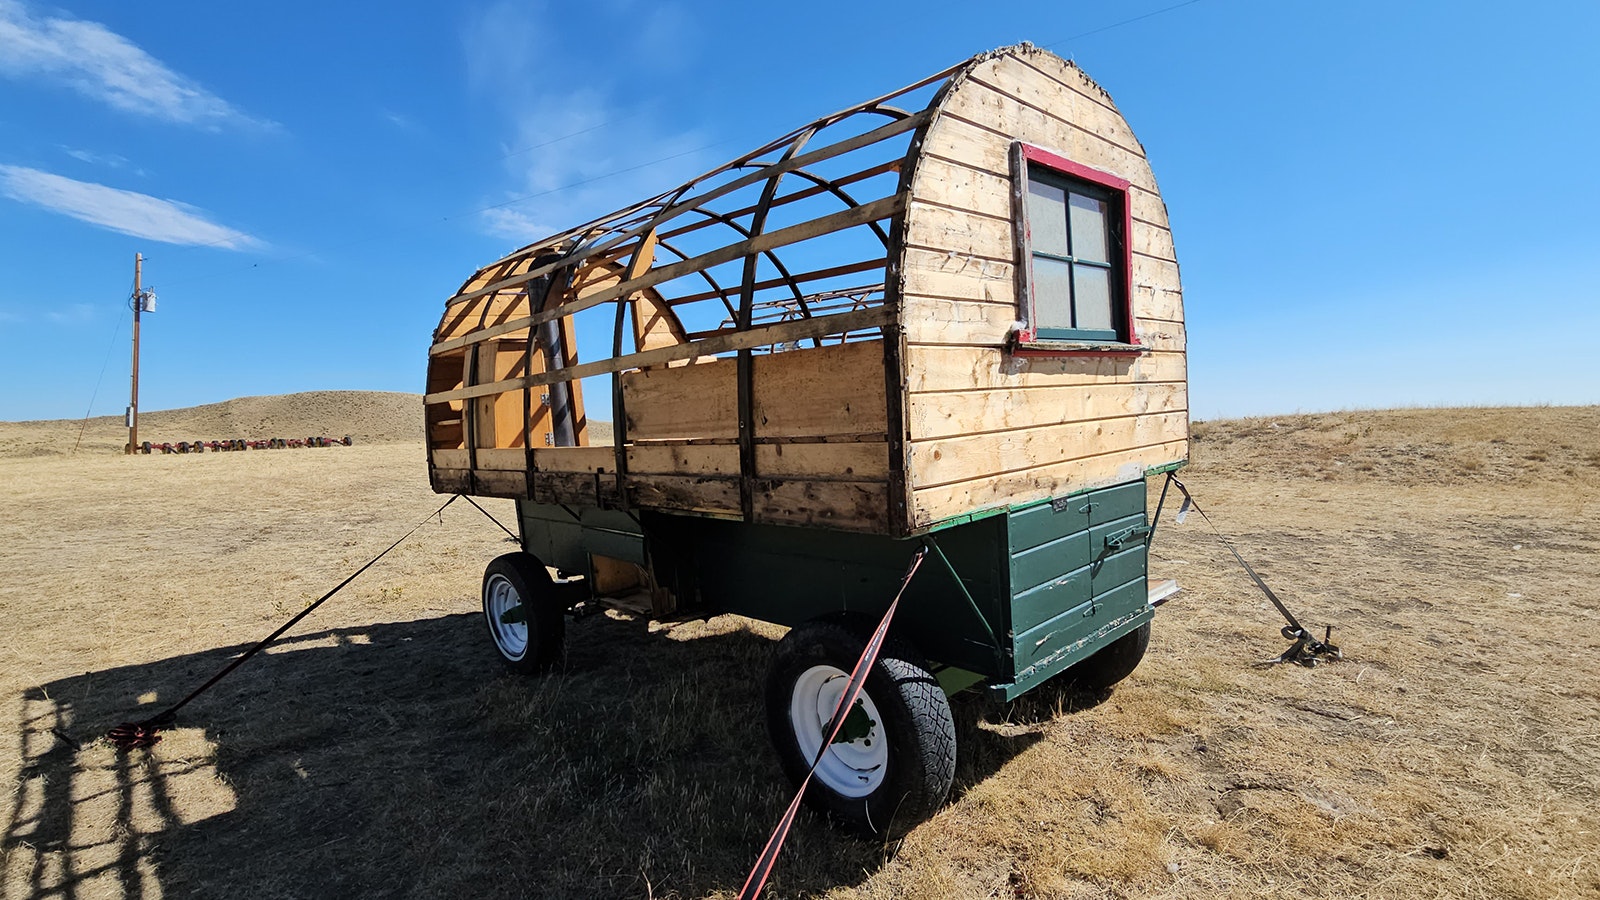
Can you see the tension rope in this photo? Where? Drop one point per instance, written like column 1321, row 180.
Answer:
column 858, row 677
column 132, row 735
column 1307, row 650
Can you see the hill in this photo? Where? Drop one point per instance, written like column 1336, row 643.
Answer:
column 370, row 417
column 367, row 416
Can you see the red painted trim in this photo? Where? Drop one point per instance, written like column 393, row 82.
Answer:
column 1065, row 166
column 1023, row 351
column 1076, row 170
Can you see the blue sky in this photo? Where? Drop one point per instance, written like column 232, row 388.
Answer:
column 1374, row 204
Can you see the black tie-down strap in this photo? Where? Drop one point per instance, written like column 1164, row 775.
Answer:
column 1306, row 650
column 147, row 733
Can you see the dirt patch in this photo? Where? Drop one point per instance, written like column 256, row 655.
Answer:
column 382, row 751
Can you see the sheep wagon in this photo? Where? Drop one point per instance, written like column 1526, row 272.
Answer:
column 949, row 317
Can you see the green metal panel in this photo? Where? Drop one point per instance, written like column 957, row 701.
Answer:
column 1078, row 579
column 563, row 537
column 791, row 575
column 554, row 535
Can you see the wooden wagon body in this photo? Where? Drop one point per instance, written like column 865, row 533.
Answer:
column 950, row 316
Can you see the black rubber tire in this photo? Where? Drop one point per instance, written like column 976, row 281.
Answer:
column 145, row 448
column 1112, row 663
column 546, row 621
column 917, row 725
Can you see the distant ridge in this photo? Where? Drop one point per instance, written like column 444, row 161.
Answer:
column 367, row 416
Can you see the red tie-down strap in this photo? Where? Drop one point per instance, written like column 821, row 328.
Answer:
column 858, row 677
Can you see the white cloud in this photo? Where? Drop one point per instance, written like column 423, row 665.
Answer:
column 508, row 223
column 128, row 212
column 573, row 153
column 110, row 160
column 74, row 314
column 103, row 65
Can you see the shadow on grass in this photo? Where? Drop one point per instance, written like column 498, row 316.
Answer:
column 399, row 759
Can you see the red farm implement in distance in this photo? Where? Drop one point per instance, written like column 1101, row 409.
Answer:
column 240, row 444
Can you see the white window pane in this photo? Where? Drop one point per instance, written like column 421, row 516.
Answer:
column 1093, row 296
column 1088, row 228
column 1047, row 218
column 1052, row 295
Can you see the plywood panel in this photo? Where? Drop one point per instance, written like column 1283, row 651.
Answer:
column 968, row 457
column 933, row 505
column 831, row 390
column 952, row 414
column 693, row 401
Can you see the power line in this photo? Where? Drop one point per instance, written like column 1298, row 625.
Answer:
column 1164, row 9
column 115, row 333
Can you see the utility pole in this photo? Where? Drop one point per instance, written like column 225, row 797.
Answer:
column 140, row 301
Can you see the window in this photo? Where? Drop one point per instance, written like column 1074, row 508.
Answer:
column 1073, row 266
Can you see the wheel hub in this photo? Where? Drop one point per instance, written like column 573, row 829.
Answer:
column 855, row 763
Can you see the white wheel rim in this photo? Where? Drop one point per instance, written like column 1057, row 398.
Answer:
column 850, row 768
column 500, row 596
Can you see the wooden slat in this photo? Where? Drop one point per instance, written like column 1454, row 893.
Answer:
column 450, row 459
column 850, row 462
column 933, row 505
column 968, row 234
column 934, row 274
column 502, row 460
column 935, row 320
column 700, row 459
column 881, row 133
column 849, row 218
column 781, row 332
column 828, row 462
column 957, row 413
column 942, row 368
column 688, row 493
column 574, row 459
column 982, row 144
column 1029, row 86
column 973, row 185
column 837, row 505
column 977, row 456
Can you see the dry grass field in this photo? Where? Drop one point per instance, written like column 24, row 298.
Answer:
column 381, row 751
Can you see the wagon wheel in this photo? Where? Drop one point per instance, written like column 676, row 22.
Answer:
column 524, row 613
column 1111, row 663
column 145, row 448
column 894, row 759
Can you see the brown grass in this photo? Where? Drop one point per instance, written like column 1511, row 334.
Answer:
column 381, row 751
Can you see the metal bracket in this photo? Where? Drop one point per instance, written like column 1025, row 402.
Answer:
column 1117, row 539
column 1307, row 650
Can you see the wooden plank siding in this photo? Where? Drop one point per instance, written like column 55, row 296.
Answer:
column 984, row 427
column 930, row 418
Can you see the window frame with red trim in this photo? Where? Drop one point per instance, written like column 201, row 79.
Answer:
column 1038, row 335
